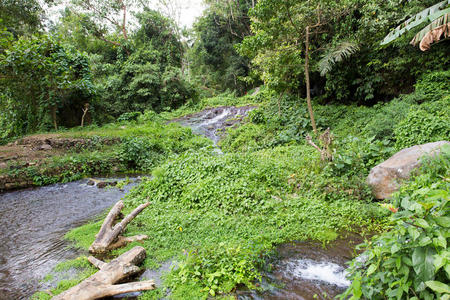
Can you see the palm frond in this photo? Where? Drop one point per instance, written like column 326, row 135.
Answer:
column 336, row 54
column 427, row 15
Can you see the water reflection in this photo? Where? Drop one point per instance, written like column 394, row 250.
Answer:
column 32, row 225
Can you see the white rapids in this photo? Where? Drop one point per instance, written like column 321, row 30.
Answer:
column 328, row 272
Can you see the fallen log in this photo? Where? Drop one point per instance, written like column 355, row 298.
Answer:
column 108, row 237
column 102, row 284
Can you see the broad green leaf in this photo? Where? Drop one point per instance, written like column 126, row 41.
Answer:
column 424, row 241
column 439, row 261
column 427, row 15
column 440, row 241
column 423, row 263
column 447, row 269
column 443, row 221
column 413, row 232
column 357, row 292
column 406, row 260
column 422, row 223
column 371, row 269
column 406, row 204
column 395, row 248
column 438, row 287
column 418, row 257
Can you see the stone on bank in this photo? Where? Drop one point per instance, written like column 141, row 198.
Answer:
column 386, row 178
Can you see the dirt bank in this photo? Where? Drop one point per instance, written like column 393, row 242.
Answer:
column 21, row 161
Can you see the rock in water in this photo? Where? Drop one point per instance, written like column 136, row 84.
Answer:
column 102, row 184
column 385, row 178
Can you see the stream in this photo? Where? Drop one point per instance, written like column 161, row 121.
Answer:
column 34, row 221
column 305, row 269
column 211, row 122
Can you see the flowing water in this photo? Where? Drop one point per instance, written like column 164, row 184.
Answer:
column 305, row 269
column 32, row 225
column 212, row 122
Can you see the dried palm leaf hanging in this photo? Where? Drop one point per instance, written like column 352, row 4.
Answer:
column 438, row 29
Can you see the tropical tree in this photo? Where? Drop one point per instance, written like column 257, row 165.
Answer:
column 214, row 61
column 39, row 78
column 286, row 33
column 150, row 76
column 335, row 54
column 103, row 17
column 21, row 17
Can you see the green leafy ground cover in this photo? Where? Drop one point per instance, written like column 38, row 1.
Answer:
column 220, row 216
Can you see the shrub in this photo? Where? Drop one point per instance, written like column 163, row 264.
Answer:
column 128, row 116
column 257, row 116
column 343, row 120
column 217, row 270
column 387, row 116
column 141, row 153
column 230, row 183
column 433, row 86
column 429, row 123
column 411, row 261
column 356, row 156
column 247, row 137
column 149, row 116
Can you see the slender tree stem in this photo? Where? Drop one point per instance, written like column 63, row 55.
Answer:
column 308, row 84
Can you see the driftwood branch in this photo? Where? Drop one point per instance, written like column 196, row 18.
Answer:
column 102, row 284
column 97, row 262
column 108, row 237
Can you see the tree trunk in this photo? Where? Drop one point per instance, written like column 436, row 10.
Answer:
column 124, row 22
column 108, row 237
column 55, row 124
column 102, row 284
column 85, row 110
column 308, row 84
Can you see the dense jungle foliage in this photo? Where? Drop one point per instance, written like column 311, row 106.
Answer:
column 124, row 69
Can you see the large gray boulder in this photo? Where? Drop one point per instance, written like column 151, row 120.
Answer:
column 385, row 178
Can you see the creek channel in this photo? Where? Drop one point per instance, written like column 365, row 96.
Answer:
column 33, row 223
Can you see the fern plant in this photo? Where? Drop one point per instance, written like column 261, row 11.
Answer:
column 336, row 54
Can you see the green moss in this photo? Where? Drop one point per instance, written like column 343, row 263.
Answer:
column 84, row 236
column 81, row 264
